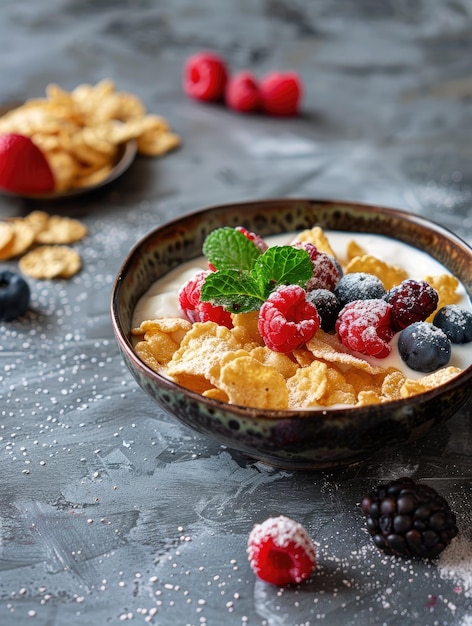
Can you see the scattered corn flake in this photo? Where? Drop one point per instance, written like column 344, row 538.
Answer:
column 61, row 230
column 6, row 235
column 21, row 240
column 51, row 262
column 390, row 275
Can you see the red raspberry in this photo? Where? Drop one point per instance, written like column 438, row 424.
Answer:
column 205, row 76
column 256, row 239
column 326, row 273
column 365, row 326
column 280, row 551
column 412, row 301
column 242, row 93
column 281, row 93
column 287, row 320
column 197, row 311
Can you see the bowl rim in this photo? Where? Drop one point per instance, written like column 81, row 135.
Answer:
column 281, row 414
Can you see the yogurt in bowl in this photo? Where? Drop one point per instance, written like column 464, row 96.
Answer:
column 308, row 438
column 374, row 379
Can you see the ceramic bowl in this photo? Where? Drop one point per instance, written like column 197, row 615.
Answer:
column 309, row 439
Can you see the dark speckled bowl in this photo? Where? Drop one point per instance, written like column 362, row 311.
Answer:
column 290, row 439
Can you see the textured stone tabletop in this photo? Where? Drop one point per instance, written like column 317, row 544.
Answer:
column 110, row 510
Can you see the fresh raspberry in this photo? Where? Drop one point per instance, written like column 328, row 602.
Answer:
column 365, row 326
column 242, row 93
column 287, row 320
column 197, row 311
column 326, row 272
column 256, row 239
column 205, row 76
column 280, row 551
column 23, row 167
column 281, row 93
column 412, row 301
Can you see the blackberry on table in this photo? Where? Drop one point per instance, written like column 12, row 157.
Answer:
column 412, row 301
column 327, row 306
column 424, row 347
column 358, row 286
column 455, row 322
column 409, row 519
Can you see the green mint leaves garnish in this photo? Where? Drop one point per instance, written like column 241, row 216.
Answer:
column 228, row 249
column 246, row 277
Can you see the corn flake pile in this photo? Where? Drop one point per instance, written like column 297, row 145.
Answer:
column 80, row 132
column 233, row 365
column 40, row 242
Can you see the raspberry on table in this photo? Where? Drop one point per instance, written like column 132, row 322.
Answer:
column 287, row 320
column 409, row 519
column 326, row 272
column 281, row 93
column 197, row 311
column 205, row 76
column 327, row 305
column 412, row 301
column 280, row 551
column 365, row 326
column 359, row 286
column 455, row 322
column 242, row 93
column 424, row 347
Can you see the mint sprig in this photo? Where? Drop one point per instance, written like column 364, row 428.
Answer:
column 243, row 281
column 228, row 249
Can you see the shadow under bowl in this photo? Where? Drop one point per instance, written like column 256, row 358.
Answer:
column 308, row 439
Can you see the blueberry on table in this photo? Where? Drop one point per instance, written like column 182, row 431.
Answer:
column 14, row 296
column 455, row 322
column 424, row 347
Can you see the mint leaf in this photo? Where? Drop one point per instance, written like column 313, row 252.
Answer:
column 282, row 265
column 228, row 249
column 236, row 292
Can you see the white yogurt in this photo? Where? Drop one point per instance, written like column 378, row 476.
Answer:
column 161, row 299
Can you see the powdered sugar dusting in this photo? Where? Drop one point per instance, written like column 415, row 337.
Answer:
column 283, row 531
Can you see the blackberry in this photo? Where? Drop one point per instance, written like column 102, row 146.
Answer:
column 412, row 301
column 358, row 286
column 455, row 322
column 409, row 519
column 424, row 347
column 326, row 270
column 327, row 306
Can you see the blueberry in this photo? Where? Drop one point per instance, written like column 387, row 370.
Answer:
column 359, row 286
column 327, row 306
column 424, row 347
column 455, row 322
column 14, row 296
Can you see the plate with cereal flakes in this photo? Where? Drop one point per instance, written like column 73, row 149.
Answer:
column 300, row 331
column 72, row 142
